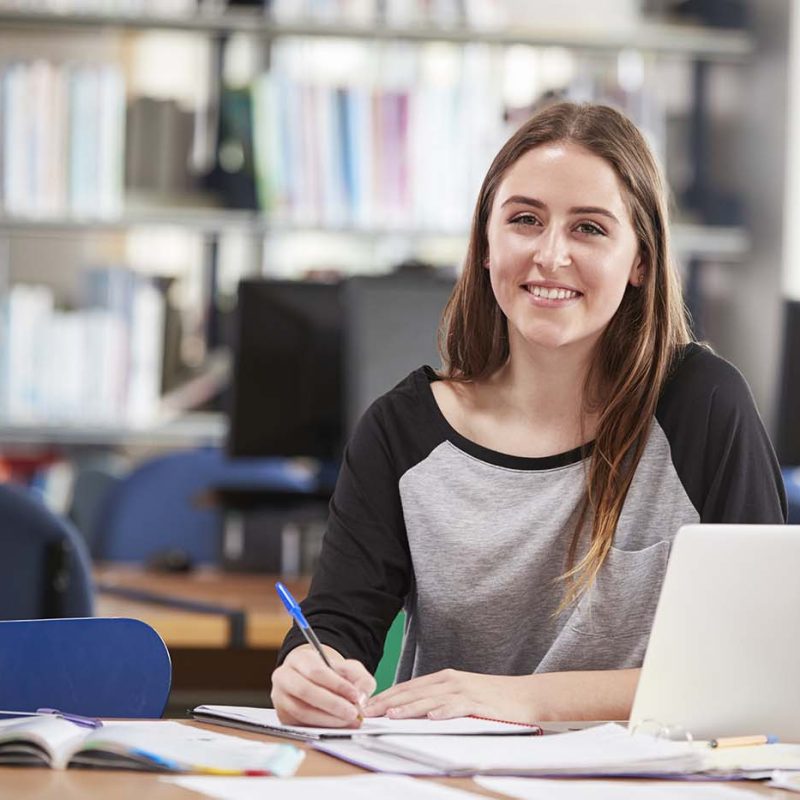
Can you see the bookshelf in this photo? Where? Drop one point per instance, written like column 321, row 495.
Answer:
column 196, row 429
column 688, row 239
column 687, row 40
column 394, row 228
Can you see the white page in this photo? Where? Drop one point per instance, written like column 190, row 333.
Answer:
column 268, row 717
column 538, row 789
column 785, row 780
column 356, row 787
column 603, row 749
column 56, row 735
column 758, row 758
column 185, row 747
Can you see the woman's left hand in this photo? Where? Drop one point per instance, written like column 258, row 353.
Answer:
column 451, row 693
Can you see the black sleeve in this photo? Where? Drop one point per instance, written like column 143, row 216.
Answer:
column 364, row 570
column 718, row 443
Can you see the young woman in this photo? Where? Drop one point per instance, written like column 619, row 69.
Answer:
column 521, row 503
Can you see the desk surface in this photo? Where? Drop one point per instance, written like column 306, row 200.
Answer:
column 266, row 621
column 47, row 784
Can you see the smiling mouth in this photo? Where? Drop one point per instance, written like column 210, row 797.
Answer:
column 552, row 293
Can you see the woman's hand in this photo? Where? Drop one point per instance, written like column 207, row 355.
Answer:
column 305, row 691
column 450, row 693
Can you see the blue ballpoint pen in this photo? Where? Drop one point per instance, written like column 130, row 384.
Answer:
column 293, row 607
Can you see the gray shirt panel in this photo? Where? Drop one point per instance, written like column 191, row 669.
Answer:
column 487, row 563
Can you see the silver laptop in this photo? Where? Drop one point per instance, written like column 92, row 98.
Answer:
column 724, row 653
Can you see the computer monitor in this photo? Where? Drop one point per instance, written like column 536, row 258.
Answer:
column 390, row 329
column 287, row 397
column 311, row 357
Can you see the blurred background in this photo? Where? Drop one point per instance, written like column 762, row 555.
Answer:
column 225, row 227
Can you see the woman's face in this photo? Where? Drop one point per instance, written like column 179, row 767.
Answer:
column 562, row 248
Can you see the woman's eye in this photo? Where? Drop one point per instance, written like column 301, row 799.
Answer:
column 525, row 219
column 591, row 228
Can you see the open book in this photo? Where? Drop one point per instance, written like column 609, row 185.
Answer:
column 598, row 751
column 159, row 746
column 265, row 720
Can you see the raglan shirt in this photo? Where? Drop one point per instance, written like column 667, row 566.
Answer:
column 472, row 542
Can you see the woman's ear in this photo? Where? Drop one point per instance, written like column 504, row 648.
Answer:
column 637, row 273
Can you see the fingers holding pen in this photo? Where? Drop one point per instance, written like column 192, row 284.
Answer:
column 306, row 691
column 356, row 673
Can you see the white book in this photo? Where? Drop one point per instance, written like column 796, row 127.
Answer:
column 29, row 313
column 146, row 334
column 16, row 141
column 154, row 746
column 265, row 720
column 111, row 141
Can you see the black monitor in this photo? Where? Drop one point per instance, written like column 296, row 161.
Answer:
column 287, row 397
column 311, row 357
column 390, row 329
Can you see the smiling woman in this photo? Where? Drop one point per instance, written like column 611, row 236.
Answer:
column 520, row 503
column 555, row 251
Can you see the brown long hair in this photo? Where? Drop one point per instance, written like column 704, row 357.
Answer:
column 636, row 351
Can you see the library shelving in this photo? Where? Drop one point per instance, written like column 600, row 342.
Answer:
column 688, row 40
column 279, row 218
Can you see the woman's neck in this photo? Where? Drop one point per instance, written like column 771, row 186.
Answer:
column 544, row 387
column 532, row 406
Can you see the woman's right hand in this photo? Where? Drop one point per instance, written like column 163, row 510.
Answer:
column 305, row 691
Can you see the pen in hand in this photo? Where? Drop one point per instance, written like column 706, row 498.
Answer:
column 293, row 607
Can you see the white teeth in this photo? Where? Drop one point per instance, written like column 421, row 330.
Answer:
column 552, row 294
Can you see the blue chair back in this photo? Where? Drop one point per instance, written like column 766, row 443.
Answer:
column 791, row 480
column 45, row 569
column 99, row 667
column 155, row 508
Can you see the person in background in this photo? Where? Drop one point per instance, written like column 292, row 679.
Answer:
column 520, row 503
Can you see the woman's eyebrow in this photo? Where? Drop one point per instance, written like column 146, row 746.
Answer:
column 521, row 199
column 593, row 210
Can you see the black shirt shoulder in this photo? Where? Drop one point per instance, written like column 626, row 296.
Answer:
column 717, row 440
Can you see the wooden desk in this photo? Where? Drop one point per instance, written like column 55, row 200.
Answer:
column 207, row 667
column 77, row 784
column 266, row 620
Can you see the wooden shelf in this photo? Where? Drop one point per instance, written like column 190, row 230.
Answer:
column 692, row 41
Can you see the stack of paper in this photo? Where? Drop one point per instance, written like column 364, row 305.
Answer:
column 758, row 761
column 603, row 750
column 536, row 789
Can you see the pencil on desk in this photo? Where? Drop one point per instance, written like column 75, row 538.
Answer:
column 743, row 741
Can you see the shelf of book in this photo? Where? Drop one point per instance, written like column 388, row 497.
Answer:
column 192, row 430
column 694, row 41
column 690, row 239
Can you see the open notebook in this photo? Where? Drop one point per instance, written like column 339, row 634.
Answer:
column 265, row 720
column 602, row 750
column 158, row 746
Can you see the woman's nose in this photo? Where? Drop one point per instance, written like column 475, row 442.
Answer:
column 552, row 250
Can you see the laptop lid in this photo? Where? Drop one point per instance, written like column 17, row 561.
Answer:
column 724, row 652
